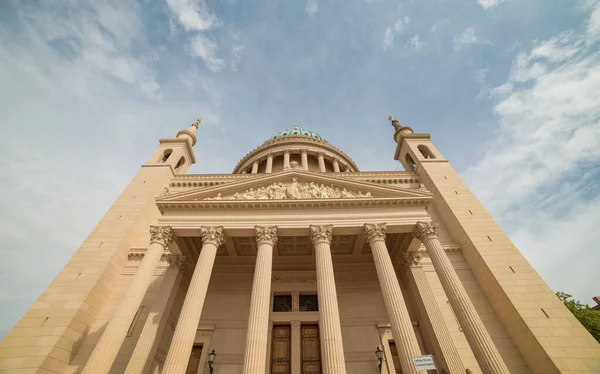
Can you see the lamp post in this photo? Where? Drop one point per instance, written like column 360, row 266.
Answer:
column 211, row 359
column 379, row 354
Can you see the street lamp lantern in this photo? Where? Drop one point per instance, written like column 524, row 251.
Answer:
column 211, row 359
column 379, row 354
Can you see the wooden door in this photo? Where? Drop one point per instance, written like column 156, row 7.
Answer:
column 395, row 357
column 194, row 362
column 311, row 355
column 281, row 355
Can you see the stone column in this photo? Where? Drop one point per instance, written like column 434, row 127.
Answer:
column 145, row 349
column 286, row 159
column 321, row 158
column 336, row 165
column 185, row 332
column 116, row 330
column 481, row 343
column 330, row 329
column 402, row 329
column 257, row 335
column 255, row 167
column 269, row 168
column 304, row 157
column 443, row 345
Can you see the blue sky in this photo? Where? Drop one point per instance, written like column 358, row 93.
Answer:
column 509, row 90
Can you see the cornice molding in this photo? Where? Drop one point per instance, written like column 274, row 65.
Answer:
column 208, row 180
column 297, row 204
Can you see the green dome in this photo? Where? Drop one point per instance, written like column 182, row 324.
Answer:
column 297, row 132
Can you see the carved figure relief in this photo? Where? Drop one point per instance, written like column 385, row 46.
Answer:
column 293, row 191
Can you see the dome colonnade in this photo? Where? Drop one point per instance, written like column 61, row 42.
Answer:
column 295, row 149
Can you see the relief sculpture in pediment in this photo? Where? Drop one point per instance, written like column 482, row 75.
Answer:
column 293, row 191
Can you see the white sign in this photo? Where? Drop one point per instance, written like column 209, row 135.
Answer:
column 423, row 362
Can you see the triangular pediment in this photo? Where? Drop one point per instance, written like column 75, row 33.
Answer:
column 294, row 186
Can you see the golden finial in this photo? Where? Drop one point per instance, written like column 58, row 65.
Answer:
column 198, row 121
column 295, row 127
column 395, row 122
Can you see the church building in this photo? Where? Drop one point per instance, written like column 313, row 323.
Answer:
column 297, row 262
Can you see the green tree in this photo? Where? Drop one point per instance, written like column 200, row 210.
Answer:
column 589, row 318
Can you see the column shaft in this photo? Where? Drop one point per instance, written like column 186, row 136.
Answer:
column 255, row 167
column 286, row 160
column 336, row 166
column 144, row 351
column 321, row 159
column 257, row 335
column 304, row 157
column 111, row 340
column 481, row 343
column 402, row 328
column 443, row 340
column 269, row 168
column 185, row 332
column 330, row 329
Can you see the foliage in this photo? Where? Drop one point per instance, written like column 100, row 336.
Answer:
column 589, row 318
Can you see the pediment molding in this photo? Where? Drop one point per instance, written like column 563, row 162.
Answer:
column 295, row 188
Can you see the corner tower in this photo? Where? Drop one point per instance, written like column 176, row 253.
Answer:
column 75, row 308
column 545, row 332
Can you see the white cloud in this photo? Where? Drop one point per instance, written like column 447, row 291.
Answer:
column 593, row 28
column 99, row 36
column 415, row 43
column 388, row 39
column 197, row 18
column 487, row 4
column 193, row 15
column 203, row 47
column 398, row 28
column 464, row 40
column 312, row 7
column 481, row 77
column 541, row 167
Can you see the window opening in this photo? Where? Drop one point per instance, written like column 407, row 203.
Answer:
column 309, row 303
column 282, row 303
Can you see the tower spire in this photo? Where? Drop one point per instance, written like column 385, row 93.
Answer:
column 189, row 134
column 400, row 130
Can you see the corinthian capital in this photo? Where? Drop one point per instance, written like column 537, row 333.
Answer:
column 266, row 235
column 374, row 231
column 411, row 259
column 181, row 262
column 161, row 234
column 321, row 233
column 425, row 230
column 213, row 235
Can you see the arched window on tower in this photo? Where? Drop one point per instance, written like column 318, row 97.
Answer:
column 166, row 156
column 410, row 162
column 425, row 151
column 180, row 163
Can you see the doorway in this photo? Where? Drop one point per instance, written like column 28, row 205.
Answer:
column 194, row 362
column 310, row 350
column 282, row 351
